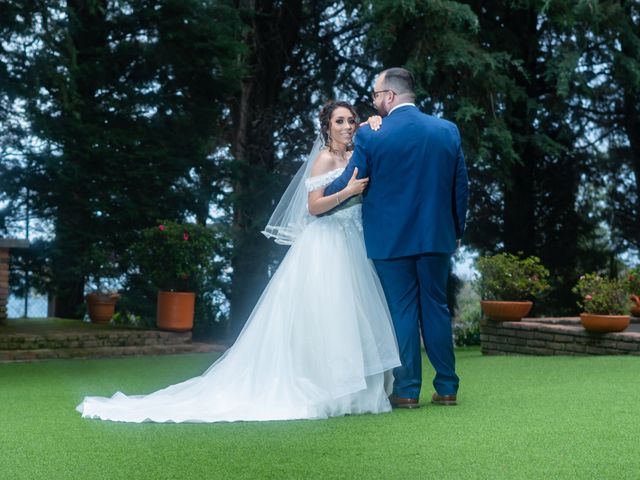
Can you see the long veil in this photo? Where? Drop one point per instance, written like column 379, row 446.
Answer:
column 291, row 215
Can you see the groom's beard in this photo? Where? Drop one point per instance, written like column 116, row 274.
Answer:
column 382, row 110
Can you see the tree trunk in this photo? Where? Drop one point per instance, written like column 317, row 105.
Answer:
column 539, row 216
column 519, row 232
column 273, row 33
column 74, row 218
column 519, row 226
column 68, row 253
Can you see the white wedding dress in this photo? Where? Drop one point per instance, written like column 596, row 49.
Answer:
column 319, row 342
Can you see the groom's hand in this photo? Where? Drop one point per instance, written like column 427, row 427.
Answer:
column 356, row 186
column 375, row 121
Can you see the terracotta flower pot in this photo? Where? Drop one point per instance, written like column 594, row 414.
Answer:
column 101, row 306
column 604, row 323
column 175, row 311
column 502, row 311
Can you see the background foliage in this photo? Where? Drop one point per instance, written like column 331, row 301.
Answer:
column 117, row 113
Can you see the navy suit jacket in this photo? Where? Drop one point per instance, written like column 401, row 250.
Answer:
column 416, row 201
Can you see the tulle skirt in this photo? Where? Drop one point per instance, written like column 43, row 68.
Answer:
column 318, row 343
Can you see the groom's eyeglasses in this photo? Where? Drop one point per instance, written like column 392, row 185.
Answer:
column 374, row 93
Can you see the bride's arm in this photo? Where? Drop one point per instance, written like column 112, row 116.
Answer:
column 358, row 160
column 319, row 204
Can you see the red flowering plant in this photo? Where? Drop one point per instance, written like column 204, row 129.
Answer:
column 602, row 296
column 177, row 256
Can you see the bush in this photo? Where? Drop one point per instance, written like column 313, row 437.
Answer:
column 633, row 281
column 508, row 277
column 466, row 326
column 127, row 319
column 466, row 335
column 602, row 296
column 178, row 256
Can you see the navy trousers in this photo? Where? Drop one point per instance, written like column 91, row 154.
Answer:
column 416, row 292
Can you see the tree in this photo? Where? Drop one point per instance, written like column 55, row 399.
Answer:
column 124, row 111
column 506, row 72
column 293, row 64
column 611, row 104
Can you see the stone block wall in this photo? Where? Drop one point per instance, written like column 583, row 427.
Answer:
column 555, row 336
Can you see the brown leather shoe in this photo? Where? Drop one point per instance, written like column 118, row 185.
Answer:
column 448, row 400
column 401, row 402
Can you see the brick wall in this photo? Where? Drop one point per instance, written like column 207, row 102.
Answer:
column 555, row 336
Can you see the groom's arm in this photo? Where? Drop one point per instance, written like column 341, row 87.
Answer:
column 358, row 159
column 460, row 194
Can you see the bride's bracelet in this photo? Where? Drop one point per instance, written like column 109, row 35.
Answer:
column 337, row 199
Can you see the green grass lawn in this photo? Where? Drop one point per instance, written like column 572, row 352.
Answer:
column 519, row 417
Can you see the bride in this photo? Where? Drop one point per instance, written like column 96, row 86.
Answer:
column 319, row 342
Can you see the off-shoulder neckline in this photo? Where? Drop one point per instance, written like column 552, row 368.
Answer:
column 327, row 173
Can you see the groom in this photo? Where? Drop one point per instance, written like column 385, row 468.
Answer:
column 413, row 214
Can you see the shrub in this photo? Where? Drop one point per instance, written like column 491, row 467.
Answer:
column 466, row 326
column 602, row 296
column 633, row 281
column 508, row 277
column 178, row 256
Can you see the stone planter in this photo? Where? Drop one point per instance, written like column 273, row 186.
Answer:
column 604, row 323
column 101, row 306
column 503, row 311
column 175, row 311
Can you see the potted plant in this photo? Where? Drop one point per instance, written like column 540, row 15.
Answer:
column 633, row 283
column 604, row 303
column 507, row 284
column 176, row 258
column 102, row 280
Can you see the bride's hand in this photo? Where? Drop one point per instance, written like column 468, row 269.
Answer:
column 356, row 186
column 375, row 121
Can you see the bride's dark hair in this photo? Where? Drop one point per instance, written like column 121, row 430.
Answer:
column 325, row 117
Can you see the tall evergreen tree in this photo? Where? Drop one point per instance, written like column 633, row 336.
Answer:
column 506, row 73
column 295, row 61
column 272, row 33
column 611, row 105
column 125, row 100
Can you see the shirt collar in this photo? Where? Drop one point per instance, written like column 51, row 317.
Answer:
column 407, row 104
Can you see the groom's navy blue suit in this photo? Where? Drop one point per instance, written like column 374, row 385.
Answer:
column 413, row 211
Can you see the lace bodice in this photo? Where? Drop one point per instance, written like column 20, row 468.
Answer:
column 320, row 181
column 351, row 210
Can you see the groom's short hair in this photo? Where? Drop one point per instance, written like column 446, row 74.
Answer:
column 399, row 80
